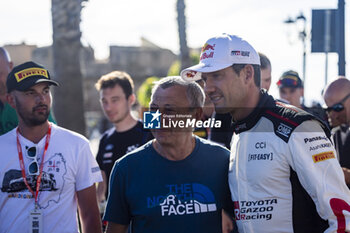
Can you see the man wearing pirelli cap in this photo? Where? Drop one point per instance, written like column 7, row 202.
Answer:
column 46, row 171
column 26, row 75
column 283, row 173
column 8, row 117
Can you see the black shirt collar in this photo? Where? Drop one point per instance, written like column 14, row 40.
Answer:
column 247, row 123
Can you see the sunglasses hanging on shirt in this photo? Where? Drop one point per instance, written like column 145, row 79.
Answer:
column 33, row 167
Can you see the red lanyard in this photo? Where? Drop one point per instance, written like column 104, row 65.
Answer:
column 21, row 162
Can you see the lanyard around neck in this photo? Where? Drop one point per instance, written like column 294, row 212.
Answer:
column 21, row 162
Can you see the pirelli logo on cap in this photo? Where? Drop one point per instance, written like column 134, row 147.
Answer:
column 23, row 74
column 323, row 156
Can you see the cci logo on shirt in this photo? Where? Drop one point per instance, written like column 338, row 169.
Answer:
column 151, row 120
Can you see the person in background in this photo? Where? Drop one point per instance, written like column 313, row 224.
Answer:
column 173, row 183
column 265, row 71
column 47, row 172
column 117, row 96
column 291, row 89
column 8, row 117
column 281, row 177
column 336, row 97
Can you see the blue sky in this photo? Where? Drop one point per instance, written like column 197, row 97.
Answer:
column 112, row 22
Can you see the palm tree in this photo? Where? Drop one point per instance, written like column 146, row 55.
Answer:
column 181, row 21
column 68, row 98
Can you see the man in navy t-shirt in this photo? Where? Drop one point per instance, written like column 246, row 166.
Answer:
column 177, row 182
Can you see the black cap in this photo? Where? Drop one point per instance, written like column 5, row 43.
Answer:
column 290, row 78
column 26, row 75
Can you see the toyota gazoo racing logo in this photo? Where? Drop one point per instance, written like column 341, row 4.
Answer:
column 207, row 51
column 254, row 210
column 157, row 120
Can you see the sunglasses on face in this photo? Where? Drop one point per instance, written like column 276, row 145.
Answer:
column 288, row 82
column 338, row 107
column 33, row 167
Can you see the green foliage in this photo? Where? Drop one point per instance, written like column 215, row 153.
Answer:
column 174, row 69
column 194, row 58
column 145, row 90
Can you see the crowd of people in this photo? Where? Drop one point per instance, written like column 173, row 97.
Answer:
column 271, row 164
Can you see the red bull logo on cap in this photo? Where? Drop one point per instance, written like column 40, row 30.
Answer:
column 205, row 55
column 207, row 47
column 191, row 74
column 23, row 74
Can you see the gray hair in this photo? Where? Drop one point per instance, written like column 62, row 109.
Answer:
column 5, row 54
column 194, row 92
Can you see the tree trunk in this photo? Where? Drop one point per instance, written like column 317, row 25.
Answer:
column 68, row 97
column 181, row 20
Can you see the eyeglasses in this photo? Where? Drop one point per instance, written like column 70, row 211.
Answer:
column 33, row 167
column 338, row 107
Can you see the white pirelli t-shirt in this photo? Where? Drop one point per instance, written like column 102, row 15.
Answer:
column 69, row 166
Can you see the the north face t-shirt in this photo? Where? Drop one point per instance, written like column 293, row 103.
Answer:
column 159, row 195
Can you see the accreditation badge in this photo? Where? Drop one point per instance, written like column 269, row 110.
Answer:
column 36, row 221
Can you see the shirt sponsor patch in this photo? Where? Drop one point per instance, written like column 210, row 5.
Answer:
column 107, row 161
column 240, row 127
column 323, row 156
column 109, row 147
column 260, row 145
column 95, row 169
column 323, row 145
column 107, row 155
column 317, row 138
column 254, row 210
column 284, row 130
column 260, row 156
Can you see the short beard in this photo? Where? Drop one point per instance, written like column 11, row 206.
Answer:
column 122, row 118
column 31, row 120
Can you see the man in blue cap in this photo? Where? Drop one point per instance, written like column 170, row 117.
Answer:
column 291, row 89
